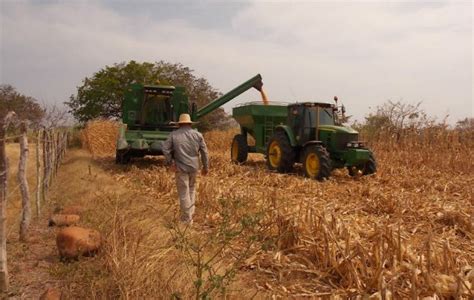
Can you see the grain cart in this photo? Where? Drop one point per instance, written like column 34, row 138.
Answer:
column 150, row 112
column 306, row 133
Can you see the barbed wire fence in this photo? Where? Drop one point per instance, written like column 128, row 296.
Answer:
column 50, row 144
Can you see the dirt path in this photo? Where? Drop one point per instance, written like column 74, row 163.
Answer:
column 28, row 263
column 99, row 186
column 35, row 266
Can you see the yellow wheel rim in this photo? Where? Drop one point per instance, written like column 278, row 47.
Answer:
column 274, row 154
column 234, row 151
column 312, row 165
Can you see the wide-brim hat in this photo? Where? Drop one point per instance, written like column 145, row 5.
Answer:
column 185, row 119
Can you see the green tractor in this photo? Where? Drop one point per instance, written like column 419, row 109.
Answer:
column 306, row 133
column 150, row 112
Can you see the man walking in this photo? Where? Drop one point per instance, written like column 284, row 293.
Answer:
column 181, row 150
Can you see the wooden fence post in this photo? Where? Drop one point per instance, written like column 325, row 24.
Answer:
column 53, row 154
column 53, row 151
column 3, row 208
column 46, row 161
column 25, row 194
column 44, row 182
column 58, row 152
column 51, row 157
column 38, row 174
column 4, row 281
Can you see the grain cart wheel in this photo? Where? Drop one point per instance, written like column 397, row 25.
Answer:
column 240, row 149
column 369, row 167
column 316, row 162
column 280, row 154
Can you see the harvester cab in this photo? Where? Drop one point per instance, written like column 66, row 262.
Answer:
column 150, row 112
column 309, row 133
column 153, row 107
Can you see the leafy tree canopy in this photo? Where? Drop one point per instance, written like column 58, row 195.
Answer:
column 101, row 94
column 26, row 108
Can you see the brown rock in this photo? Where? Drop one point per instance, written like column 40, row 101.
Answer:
column 51, row 294
column 63, row 220
column 76, row 241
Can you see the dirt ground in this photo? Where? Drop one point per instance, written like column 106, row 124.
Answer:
column 34, row 266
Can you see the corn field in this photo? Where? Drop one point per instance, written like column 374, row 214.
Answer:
column 404, row 232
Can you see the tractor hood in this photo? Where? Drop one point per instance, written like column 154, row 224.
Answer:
column 337, row 137
column 335, row 128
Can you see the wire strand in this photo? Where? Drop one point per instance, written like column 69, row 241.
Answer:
column 18, row 221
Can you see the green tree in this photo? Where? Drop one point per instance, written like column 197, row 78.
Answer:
column 26, row 108
column 101, row 94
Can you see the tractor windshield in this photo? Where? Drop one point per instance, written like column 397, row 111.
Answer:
column 319, row 116
column 326, row 116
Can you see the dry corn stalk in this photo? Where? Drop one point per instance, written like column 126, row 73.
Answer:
column 100, row 137
column 406, row 232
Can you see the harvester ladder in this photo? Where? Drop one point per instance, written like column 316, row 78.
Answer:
column 268, row 127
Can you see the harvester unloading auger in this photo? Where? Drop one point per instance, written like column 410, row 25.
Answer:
column 149, row 113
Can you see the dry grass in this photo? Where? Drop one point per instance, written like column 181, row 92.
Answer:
column 404, row 232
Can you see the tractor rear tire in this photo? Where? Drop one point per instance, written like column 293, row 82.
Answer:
column 280, row 154
column 367, row 168
column 316, row 162
column 240, row 149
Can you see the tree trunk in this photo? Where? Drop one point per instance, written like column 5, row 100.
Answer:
column 25, row 193
column 38, row 174
column 3, row 208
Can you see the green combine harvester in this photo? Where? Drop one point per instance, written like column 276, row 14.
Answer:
column 150, row 112
column 306, row 133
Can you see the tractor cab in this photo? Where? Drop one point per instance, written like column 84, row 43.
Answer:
column 306, row 118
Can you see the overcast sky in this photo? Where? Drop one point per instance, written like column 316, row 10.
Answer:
column 363, row 52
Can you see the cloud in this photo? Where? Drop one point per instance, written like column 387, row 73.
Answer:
column 364, row 52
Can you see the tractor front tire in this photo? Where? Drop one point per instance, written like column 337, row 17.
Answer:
column 240, row 149
column 369, row 167
column 316, row 162
column 280, row 154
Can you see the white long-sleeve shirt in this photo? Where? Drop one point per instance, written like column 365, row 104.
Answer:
column 184, row 146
